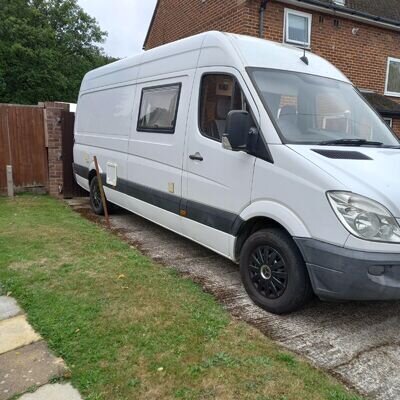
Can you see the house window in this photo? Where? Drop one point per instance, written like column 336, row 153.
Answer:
column 297, row 27
column 159, row 109
column 393, row 77
column 389, row 121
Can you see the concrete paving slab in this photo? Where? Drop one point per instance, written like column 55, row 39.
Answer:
column 29, row 366
column 378, row 368
column 8, row 308
column 54, row 392
column 16, row 332
column 80, row 201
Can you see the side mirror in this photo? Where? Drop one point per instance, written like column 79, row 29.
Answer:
column 239, row 133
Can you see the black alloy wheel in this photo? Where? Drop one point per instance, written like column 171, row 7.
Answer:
column 268, row 272
column 95, row 197
column 273, row 271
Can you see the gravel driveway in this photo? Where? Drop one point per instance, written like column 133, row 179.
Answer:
column 358, row 342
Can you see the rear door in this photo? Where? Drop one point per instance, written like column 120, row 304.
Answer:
column 217, row 182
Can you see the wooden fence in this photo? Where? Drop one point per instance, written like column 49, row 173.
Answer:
column 23, row 145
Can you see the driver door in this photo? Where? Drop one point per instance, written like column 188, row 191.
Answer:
column 216, row 182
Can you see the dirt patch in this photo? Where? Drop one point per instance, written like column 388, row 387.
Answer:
column 89, row 214
column 25, row 265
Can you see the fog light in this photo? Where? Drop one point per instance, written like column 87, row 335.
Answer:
column 376, row 270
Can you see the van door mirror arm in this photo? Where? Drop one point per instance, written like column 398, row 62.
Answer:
column 250, row 147
column 252, row 140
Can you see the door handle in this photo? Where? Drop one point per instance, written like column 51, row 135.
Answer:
column 196, row 157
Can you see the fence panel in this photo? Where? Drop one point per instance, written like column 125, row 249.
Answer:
column 22, row 144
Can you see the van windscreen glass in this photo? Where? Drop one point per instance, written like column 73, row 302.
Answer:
column 310, row 109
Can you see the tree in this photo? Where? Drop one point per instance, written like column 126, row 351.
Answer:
column 46, row 47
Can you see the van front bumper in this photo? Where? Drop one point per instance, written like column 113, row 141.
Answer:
column 338, row 273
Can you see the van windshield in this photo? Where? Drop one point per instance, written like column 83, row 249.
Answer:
column 310, row 109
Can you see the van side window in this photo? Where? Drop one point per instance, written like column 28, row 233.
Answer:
column 159, row 109
column 219, row 94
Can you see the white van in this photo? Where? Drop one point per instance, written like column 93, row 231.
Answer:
column 256, row 150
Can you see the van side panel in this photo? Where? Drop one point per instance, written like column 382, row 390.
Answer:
column 104, row 118
column 102, row 129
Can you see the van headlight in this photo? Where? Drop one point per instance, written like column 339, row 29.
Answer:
column 364, row 218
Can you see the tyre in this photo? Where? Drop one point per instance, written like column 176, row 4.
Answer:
column 95, row 197
column 274, row 273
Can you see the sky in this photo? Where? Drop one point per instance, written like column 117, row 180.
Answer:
column 126, row 22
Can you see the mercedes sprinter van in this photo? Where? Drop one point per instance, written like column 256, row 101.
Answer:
column 262, row 152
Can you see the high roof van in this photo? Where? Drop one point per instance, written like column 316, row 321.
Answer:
column 262, row 152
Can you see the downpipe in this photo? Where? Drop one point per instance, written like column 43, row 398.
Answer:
column 263, row 6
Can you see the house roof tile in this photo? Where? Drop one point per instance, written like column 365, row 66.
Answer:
column 382, row 104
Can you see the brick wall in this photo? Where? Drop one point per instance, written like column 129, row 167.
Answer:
column 362, row 57
column 177, row 19
column 396, row 126
column 54, row 133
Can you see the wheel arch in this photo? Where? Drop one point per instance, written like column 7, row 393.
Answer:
column 268, row 214
column 92, row 170
column 92, row 174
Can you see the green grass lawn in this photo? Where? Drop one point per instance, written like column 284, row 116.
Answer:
column 131, row 329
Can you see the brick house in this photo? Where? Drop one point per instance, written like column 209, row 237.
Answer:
column 361, row 37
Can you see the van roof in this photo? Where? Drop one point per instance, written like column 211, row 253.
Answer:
column 210, row 49
column 262, row 53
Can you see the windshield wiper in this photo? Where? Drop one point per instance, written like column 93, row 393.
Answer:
column 350, row 142
column 391, row 146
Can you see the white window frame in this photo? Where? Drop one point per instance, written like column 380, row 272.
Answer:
column 387, row 92
column 333, row 117
column 389, row 120
column 286, row 39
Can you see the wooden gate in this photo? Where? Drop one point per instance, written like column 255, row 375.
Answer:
column 23, row 145
column 70, row 187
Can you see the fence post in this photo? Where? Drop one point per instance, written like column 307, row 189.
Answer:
column 10, row 182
